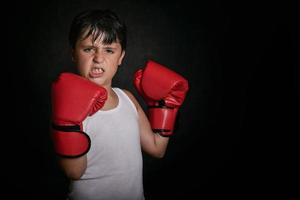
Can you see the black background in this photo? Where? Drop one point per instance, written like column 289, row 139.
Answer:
column 234, row 131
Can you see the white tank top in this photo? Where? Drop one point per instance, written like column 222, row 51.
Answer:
column 114, row 162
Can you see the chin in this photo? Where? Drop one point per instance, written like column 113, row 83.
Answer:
column 97, row 81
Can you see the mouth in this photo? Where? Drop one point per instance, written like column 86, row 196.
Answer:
column 96, row 72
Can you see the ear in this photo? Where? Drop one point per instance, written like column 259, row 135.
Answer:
column 121, row 57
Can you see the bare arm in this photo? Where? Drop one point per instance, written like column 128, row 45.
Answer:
column 152, row 143
column 74, row 167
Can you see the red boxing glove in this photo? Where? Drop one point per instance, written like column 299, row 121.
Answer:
column 73, row 99
column 164, row 92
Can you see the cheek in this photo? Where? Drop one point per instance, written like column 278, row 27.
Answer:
column 82, row 66
column 114, row 71
column 82, row 61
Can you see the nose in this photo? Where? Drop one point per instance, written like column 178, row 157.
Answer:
column 98, row 57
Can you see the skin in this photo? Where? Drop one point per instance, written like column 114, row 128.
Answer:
column 99, row 63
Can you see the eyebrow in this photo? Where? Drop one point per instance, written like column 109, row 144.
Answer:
column 108, row 47
column 104, row 46
column 92, row 44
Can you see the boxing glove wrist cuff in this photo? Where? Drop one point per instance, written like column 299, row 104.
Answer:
column 162, row 120
column 161, row 133
column 70, row 141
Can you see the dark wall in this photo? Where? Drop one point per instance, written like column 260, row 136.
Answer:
column 240, row 60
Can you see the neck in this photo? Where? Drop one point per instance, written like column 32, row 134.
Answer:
column 112, row 99
column 109, row 90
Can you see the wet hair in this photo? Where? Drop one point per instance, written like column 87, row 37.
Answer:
column 98, row 23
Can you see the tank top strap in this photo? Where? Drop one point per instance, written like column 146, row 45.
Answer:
column 124, row 98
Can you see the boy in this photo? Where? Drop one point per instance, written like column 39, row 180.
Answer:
column 100, row 130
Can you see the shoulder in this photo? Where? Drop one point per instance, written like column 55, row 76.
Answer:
column 131, row 97
column 129, row 94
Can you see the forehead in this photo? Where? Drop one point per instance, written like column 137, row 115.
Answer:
column 97, row 37
column 100, row 40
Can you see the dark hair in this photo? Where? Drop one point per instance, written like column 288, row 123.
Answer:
column 98, row 23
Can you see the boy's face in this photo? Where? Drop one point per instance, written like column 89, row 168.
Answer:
column 96, row 61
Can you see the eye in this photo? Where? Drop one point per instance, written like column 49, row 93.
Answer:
column 110, row 51
column 88, row 49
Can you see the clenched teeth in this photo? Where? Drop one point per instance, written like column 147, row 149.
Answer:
column 97, row 69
